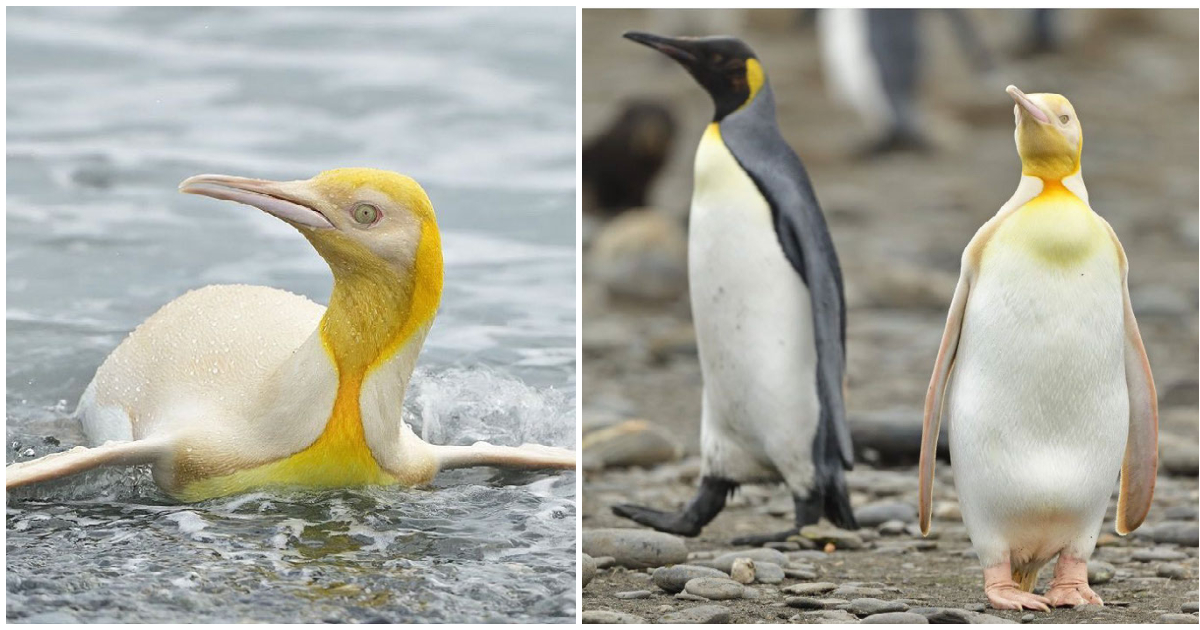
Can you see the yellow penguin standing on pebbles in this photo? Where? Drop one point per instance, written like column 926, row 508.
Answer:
column 1043, row 376
column 232, row 388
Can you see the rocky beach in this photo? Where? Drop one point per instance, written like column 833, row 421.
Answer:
column 899, row 222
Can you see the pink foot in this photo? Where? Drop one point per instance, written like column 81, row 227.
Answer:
column 1069, row 586
column 1004, row 594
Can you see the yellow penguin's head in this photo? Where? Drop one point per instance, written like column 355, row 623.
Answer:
column 1049, row 138
column 724, row 66
column 356, row 218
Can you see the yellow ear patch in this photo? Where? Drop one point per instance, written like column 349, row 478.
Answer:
column 755, row 77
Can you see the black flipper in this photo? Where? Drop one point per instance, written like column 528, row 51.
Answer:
column 704, row 507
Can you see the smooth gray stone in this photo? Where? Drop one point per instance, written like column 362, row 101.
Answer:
column 698, row 614
column 895, row 617
column 609, row 616
column 1157, row 554
column 1182, row 533
column 714, row 588
column 866, row 606
column 1100, row 572
column 805, row 603
column 632, row 594
column 589, row 569
column 673, row 579
column 768, row 573
column 809, row 588
column 1172, row 571
column 724, row 562
column 635, row 548
column 853, row 592
column 876, row 514
column 1176, row 618
column 1190, row 607
column 1181, row 513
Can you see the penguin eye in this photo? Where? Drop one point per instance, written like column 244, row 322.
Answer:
column 365, row 213
column 1064, row 118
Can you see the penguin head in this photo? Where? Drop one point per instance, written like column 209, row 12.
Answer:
column 724, row 66
column 358, row 219
column 1049, row 137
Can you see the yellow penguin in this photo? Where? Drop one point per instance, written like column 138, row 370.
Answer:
column 231, row 388
column 1043, row 376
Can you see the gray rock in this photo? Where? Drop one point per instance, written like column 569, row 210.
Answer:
column 1100, row 572
column 632, row 594
column 1176, row 618
column 768, row 573
column 828, row 616
column 742, row 571
column 698, row 614
column 635, row 548
column 1172, row 571
column 1181, row 513
column 895, row 617
column 715, row 588
column 956, row 615
column 824, row 534
column 799, row 574
column 809, row 588
column 1182, row 533
column 1027, row 617
column 1157, row 554
column 605, row 562
column 1190, row 607
column 864, row 606
column 1178, row 456
column 674, row 579
column 724, row 562
column 852, row 592
column 630, row 443
column 892, row 528
column 609, row 616
column 875, row 514
column 589, row 569
column 641, row 254
column 805, row 603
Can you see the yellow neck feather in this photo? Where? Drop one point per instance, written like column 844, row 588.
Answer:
column 1056, row 226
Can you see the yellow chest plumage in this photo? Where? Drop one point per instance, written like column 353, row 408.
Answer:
column 1056, row 227
column 371, row 315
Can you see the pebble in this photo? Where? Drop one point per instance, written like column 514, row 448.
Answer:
column 674, row 579
column 892, row 528
column 827, row 534
column 630, row 443
column 852, row 592
column 641, row 254
column 957, row 615
column 1182, row 533
column 714, row 588
column 724, row 562
column 876, row 514
column 799, row 574
column 1027, row 617
column 805, row 603
column 1100, row 572
column 742, row 571
column 632, row 594
column 1176, row 618
column 865, row 606
column 810, row 588
column 698, row 614
column 1173, row 571
column 829, row 616
column 1181, row 513
column 1157, row 554
column 609, row 616
column 589, row 569
column 768, row 573
column 895, row 617
column 1190, row 607
column 635, row 548
column 605, row 562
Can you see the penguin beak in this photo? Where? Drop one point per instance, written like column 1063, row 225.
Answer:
column 290, row 201
column 679, row 49
column 1028, row 105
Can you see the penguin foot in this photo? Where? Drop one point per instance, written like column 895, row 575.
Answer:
column 758, row 540
column 1069, row 586
column 669, row 522
column 1004, row 594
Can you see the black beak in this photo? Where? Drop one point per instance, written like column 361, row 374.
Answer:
column 679, row 49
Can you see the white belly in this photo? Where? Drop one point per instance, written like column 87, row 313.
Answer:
column 1038, row 405
column 754, row 331
column 201, row 359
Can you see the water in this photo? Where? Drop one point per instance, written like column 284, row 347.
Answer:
column 108, row 109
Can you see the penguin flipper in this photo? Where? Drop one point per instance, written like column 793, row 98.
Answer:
column 524, row 457
column 1140, row 468
column 81, row 458
column 936, row 394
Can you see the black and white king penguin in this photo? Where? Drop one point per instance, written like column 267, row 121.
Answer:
column 767, row 299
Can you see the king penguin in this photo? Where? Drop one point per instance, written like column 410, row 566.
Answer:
column 767, row 300
column 1043, row 376
column 233, row 388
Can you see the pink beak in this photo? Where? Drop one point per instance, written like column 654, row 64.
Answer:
column 1028, row 104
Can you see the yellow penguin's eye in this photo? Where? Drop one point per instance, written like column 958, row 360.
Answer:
column 365, row 213
column 1064, row 118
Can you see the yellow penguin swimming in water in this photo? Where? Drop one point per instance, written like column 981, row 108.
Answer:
column 231, row 388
